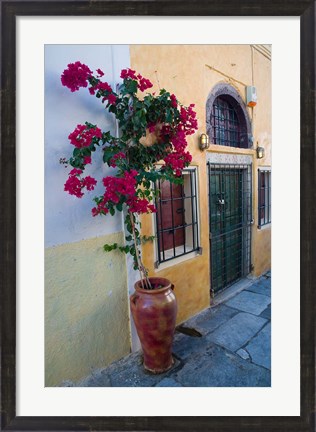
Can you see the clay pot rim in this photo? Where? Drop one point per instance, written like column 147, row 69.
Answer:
column 163, row 281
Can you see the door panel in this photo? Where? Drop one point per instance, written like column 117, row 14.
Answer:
column 229, row 195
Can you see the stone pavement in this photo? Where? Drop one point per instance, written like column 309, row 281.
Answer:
column 228, row 345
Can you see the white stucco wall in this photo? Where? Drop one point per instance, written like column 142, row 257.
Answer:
column 67, row 218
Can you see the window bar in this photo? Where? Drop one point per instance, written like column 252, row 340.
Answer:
column 262, row 196
column 210, row 227
column 195, row 227
column 209, row 197
column 250, row 212
column 226, row 124
column 259, row 198
column 223, row 223
column 268, row 203
column 268, row 193
column 267, row 198
column 172, row 218
column 158, row 203
column 183, row 216
column 161, row 230
column 265, row 190
column 192, row 211
column 245, row 223
column 234, row 242
column 244, row 209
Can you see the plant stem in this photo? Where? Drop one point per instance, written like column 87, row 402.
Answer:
column 141, row 268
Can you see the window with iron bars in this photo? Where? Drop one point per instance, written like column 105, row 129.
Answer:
column 177, row 217
column 226, row 125
column 264, row 197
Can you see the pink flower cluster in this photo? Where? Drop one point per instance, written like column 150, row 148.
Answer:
column 100, row 72
column 75, row 184
column 177, row 161
column 107, row 91
column 115, row 188
column 75, row 76
column 188, row 119
column 140, row 205
column 83, row 136
column 179, row 141
column 142, row 83
column 117, row 157
column 122, row 187
column 174, row 102
column 87, row 160
column 178, row 158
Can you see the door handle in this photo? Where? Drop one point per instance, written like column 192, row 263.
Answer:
column 180, row 210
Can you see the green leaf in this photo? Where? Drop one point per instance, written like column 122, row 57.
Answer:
column 86, row 151
column 108, row 153
column 110, row 247
column 76, row 152
column 130, row 86
column 124, row 249
column 168, row 116
column 119, row 206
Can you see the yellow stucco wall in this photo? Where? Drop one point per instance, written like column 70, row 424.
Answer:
column 261, row 252
column 86, row 309
column 191, row 71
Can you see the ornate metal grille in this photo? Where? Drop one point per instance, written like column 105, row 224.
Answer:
column 225, row 124
column 264, row 197
column 177, row 218
column 230, row 198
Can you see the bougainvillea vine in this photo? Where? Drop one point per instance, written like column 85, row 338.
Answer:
column 151, row 146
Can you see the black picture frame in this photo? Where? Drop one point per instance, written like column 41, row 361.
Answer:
column 9, row 11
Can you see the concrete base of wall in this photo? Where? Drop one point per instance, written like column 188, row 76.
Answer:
column 86, row 308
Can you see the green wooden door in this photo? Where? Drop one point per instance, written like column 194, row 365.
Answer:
column 228, row 220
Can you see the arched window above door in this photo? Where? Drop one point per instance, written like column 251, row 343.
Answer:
column 227, row 119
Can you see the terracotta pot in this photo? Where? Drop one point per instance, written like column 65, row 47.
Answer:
column 154, row 312
column 151, row 137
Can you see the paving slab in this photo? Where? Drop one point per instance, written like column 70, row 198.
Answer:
column 208, row 320
column 237, row 331
column 168, row 382
column 97, row 379
column 266, row 313
column 260, row 288
column 218, row 368
column 259, row 347
column 249, row 302
column 129, row 372
column 265, row 281
column 184, row 346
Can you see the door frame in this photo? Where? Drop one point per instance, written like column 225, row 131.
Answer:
column 244, row 163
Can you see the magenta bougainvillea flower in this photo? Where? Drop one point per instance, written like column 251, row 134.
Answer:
column 83, row 136
column 151, row 146
column 75, row 76
column 75, row 184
